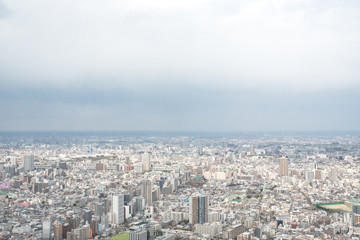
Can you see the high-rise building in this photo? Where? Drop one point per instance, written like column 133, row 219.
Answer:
column 58, row 231
column 139, row 204
column 356, row 208
column 252, row 150
column 319, row 174
column 139, row 168
column 174, row 183
column 146, row 162
column 356, row 213
column 313, row 166
column 118, row 208
column 258, row 232
column 29, row 162
column 46, row 234
column 138, row 234
column 87, row 216
column 333, row 175
column 13, row 160
column 198, row 209
column 94, row 227
column 65, row 229
column 309, row 176
column 284, row 167
column 99, row 209
column 146, row 191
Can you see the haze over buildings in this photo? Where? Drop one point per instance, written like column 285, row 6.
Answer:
column 208, row 186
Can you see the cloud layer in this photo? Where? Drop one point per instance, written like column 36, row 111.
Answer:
column 187, row 65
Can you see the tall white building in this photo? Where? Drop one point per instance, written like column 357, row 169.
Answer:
column 146, row 162
column 309, row 176
column 46, row 235
column 29, row 162
column 139, row 168
column 333, row 175
column 118, row 208
column 13, row 160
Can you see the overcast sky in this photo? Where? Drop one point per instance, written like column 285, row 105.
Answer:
column 189, row 65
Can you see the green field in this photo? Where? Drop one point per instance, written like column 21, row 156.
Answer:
column 121, row 236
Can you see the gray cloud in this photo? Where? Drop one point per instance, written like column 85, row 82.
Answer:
column 3, row 10
column 176, row 108
column 187, row 65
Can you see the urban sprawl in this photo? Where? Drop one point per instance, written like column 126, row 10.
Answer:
column 157, row 186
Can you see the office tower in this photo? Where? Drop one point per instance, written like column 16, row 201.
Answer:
column 13, row 161
column 29, row 162
column 99, row 209
column 146, row 192
column 62, row 165
column 313, row 166
column 138, row 234
column 258, row 232
column 174, row 184
column 356, row 219
column 46, row 235
column 104, row 222
column 198, row 209
column 127, row 211
column 140, row 204
column 107, row 205
column 38, row 187
column 252, row 150
column 90, row 150
column 94, row 227
column 182, row 167
column 139, row 168
column 146, row 162
column 65, row 229
column 356, row 209
column 127, row 198
column 118, row 208
column 333, row 175
column 156, row 193
column 187, row 176
column 82, row 232
column 356, row 213
column 87, row 216
column 199, row 150
column 319, row 174
column 283, row 167
column 58, row 230
column 309, row 176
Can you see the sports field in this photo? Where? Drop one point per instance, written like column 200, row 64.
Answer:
column 122, row 236
column 338, row 207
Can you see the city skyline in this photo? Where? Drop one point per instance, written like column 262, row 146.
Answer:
column 174, row 186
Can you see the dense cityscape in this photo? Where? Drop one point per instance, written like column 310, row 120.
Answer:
column 163, row 186
column 179, row 120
